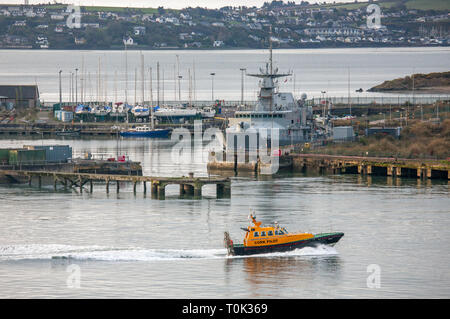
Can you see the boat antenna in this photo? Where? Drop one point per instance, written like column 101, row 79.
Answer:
column 270, row 49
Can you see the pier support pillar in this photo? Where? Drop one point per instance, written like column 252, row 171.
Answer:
column 360, row 169
column 161, row 191
column 144, row 184
column 198, row 190
column 80, row 181
column 188, row 189
column 419, row 172
column 154, row 188
column 39, row 181
column 107, row 186
column 134, row 186
column 428, row 173
column 182, row 192
column 117, row 187
column 91, row 186
column 369, row 169
column 223, row 190
column 398, row 171
column 55, row 180
column 389, row 170
column 29, row 180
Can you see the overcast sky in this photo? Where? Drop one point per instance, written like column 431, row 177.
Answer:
column 174, row 4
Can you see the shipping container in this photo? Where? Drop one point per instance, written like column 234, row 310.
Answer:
column 343, row 133
column 25, row 156
column 54, row 153
column 66, row 116
column 4, row 156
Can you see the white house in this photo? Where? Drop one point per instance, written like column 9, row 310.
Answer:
column 129, row 41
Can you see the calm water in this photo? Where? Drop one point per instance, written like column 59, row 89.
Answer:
column 128, row 245
column 315, row 70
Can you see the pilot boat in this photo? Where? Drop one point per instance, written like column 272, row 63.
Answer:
column 261, row 239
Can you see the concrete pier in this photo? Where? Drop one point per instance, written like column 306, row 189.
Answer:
column 191, row 186
column 395, row 167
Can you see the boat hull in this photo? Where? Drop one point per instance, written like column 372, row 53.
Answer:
column 324, row 239
column 150, row 134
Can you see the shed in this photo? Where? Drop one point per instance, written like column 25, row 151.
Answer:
column 24, row 96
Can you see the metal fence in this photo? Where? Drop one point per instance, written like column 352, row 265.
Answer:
column 355, row 100
column 383, row 100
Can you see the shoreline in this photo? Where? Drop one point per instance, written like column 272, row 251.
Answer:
column 139, row 48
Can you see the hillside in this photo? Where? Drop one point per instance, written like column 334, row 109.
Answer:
column 435, row 82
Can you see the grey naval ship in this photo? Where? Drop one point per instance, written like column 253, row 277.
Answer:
column 274, row 110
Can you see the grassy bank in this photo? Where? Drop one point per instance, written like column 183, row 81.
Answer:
column 418, row 140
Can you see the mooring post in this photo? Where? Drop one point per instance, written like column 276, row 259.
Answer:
column 91, row 186
column 182, row 192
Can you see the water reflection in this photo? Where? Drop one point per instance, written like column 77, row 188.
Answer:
column 284, row 272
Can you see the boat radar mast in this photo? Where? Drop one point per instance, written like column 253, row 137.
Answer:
column 267, row 84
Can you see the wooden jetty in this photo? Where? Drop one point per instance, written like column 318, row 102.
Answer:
column 190, row 185
column 384, row 166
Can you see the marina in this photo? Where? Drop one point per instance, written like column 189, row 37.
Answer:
column 102, row 209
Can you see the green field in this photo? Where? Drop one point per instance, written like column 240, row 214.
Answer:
column 440, row 5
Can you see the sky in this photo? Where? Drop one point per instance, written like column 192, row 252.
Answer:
column 172, row 4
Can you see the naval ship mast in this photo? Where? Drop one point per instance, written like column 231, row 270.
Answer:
column 267, row 86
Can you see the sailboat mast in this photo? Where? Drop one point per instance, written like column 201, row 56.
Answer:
column 194, row 89
column 135, row 86
column 142, row 79
column 126, row 74
column 157, row 82
column 151, row 99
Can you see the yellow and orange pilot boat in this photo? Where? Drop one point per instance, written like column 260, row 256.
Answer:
column 273, row 238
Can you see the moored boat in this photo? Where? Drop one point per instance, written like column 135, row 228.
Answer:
column 146, row 131
column 274, row 238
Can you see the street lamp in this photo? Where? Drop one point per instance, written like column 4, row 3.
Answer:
column 324, row 102
column 242, row 85
column 60, row 90
column 76, row 86
column 212, row 86
column 179, row 88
